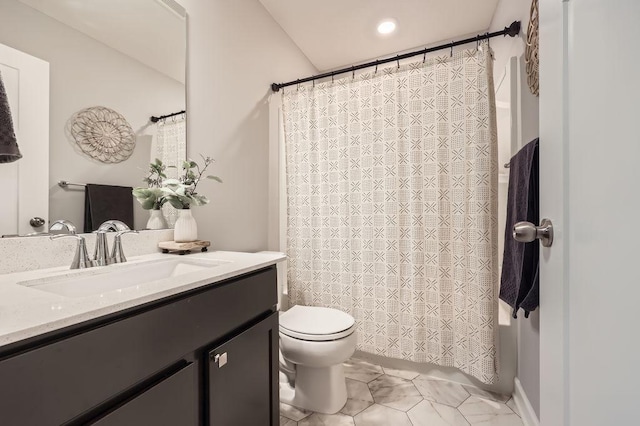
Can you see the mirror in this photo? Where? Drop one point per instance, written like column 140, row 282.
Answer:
column 126, row 55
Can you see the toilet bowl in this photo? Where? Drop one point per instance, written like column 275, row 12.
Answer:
column 314, row 342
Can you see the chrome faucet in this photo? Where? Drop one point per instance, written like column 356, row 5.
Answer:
column 101, row 255
column 113, row 225
column 101, row 250
column 59, row 226
column 81, row 259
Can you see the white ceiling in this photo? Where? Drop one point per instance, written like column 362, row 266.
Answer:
column 150, row 31
column 336, row 33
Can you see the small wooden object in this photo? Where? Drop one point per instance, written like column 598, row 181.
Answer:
column 183, row 248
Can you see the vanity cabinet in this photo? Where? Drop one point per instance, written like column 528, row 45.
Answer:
column 173, row 401
column 155, row 363
column 236, row 372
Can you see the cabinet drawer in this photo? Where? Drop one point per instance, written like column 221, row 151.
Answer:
column 69, row 377
column 174, row 401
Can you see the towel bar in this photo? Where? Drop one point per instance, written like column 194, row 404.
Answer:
column 65, row 184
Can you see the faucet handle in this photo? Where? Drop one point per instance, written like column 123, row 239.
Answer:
column 81, row 259
column 117, row 253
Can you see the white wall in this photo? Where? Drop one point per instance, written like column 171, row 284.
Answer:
column 528, row 329
column 87, row 73
column 236, row 50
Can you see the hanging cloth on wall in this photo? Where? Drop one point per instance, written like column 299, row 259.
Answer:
column 107, row 202
column 520, row 268
column 171, row 148
column 9, row 151
column 392, row 208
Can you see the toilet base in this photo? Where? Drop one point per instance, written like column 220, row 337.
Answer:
column 322, row 390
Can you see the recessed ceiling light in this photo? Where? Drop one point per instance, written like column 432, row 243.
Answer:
column 387, row 26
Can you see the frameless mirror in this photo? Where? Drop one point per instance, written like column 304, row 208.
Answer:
column 58, row 57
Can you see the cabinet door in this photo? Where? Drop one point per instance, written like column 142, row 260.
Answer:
column 243, row 378
column 173, row 401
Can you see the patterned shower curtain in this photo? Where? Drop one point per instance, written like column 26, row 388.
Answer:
column 392, row 208
column 171, row 148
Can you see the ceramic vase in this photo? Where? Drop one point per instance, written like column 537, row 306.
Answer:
column 186, row 228
column 156, row 220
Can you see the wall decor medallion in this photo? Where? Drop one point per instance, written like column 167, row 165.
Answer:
column 103, row 134
column 531, row 57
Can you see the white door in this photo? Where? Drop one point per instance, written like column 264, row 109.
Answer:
column 590, row 188
column 25, row 183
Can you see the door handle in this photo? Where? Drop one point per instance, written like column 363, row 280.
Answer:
column 36, row 222
column 526, row 232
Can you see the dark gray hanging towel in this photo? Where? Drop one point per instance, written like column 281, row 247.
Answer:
column 520, row 280
column 9, row 151
column 105, row 202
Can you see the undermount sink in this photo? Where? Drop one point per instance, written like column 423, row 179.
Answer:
column 120, row 276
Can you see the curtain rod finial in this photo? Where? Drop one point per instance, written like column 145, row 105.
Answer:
column 275, row 87
column 513, row 29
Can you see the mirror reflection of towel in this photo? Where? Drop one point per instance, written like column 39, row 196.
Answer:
column 105, row 202
column 9, row 151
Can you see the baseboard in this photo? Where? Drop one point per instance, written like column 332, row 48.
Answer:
column 527, row 413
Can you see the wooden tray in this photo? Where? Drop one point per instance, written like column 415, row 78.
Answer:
column 183, row 248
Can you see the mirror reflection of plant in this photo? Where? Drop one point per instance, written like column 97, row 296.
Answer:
column 181, row 193
column 152, row 197
column 156, row 174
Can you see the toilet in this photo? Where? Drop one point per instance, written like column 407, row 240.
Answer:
column 314, row 342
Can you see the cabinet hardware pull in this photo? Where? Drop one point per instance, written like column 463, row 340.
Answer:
column 220, row 359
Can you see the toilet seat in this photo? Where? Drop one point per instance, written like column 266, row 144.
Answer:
column 316, row 324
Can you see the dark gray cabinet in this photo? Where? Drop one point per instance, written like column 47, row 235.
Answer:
column 150, row 362
column 173, row 401
column 243, row 377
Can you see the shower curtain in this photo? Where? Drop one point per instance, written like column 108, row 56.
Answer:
column 171, row 148
column 392, row 208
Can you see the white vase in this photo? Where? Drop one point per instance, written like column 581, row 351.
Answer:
column 156, row 220
column 186, row 228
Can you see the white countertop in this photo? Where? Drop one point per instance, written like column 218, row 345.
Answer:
column 27, row 312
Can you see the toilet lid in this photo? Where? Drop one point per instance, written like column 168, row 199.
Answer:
column 316, row 323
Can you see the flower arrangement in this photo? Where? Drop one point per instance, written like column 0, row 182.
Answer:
column 180, row 193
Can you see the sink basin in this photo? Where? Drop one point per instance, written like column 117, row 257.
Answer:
column 118, row 277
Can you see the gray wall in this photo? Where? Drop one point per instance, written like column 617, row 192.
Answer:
column 528, row 329
column 236, row 50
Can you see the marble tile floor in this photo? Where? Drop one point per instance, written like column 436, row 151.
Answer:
column 380, row 396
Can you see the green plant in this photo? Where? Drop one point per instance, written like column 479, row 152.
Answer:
column 180, row 193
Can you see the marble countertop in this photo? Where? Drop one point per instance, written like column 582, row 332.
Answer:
column 26, row 312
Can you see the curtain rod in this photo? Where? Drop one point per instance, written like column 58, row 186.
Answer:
column 511, row 31
column 155, row 119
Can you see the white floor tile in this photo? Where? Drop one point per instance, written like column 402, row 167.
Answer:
column 318, row 419
column 441, row 391
column 405, row 374
column 361, row 370
column 293, row 413
column 429, row 413
column 358, row 397
column 379, row 415
column 395, row 392
column 484, row 412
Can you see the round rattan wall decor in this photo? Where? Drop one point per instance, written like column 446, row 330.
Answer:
column 103, row 134
column 531, row 58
